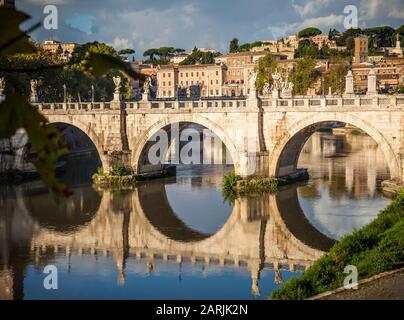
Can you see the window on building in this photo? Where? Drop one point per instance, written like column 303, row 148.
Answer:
column 169, row 75
column 211, row 92
column 164, row 93
column 217, row 81
column 186, row 74
column 197, row 74
column 203, row 74
column 217, row 92
column 217, row 73
column 164, row 75
column 169, row 83
column 164, row 83
column 192, row 74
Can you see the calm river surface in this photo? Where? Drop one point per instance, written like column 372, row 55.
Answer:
column 177, row 238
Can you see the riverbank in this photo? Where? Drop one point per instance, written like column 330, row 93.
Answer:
column 385, row 286
column 391, row 188
column 373, row 249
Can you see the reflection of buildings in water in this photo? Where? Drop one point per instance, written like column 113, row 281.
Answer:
column 255, row 236
column 354, row 162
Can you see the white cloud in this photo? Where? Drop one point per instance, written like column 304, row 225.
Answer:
column 310, row 7
column 397, row 14
column 323, row 22
column 121, row 43
column 372, row 9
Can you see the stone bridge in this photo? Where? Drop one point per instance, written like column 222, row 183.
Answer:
column 269, row 232
column 263, row 135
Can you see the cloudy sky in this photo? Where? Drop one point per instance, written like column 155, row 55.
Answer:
column 143, row 24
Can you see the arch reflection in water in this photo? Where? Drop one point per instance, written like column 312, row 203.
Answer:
column 255, row 238
column 343, row 193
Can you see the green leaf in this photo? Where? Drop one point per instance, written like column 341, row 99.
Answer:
column 43, row 137
column 99, row 64
column 12, row 39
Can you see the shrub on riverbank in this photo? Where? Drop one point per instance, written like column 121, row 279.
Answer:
column 119, row 170
column 375, row 248
column 119, row 176
column 234, row 185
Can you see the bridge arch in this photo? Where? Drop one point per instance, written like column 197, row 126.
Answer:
column 191, row 118
column 85, row 128
column 285, row 155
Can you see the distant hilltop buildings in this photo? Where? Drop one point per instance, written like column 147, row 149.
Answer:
column 63, row 50
column 388, row 67
column 228, row 74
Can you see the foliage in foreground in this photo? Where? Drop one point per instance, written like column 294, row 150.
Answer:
column 375, row 248
column 17, row 113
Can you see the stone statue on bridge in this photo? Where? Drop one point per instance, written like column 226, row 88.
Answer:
column 267, row 90
column 117, row 81
column 34, row 92
column 252, row 79
column 277, row 84
column 287, row 88
column 146, row 86
column 2, row 86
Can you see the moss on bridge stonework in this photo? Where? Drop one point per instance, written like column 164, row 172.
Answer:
column 373, row 249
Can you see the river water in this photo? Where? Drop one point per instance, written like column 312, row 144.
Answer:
column 178, row 238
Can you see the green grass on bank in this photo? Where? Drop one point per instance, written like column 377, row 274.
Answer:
column 375, row 248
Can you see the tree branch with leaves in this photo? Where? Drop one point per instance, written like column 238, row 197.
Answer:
column 16, row 112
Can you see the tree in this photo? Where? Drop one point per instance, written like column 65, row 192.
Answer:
column 400, row 31
column 333, row 34
column 197, row 56
column 307, row 48
column 59, row 51
column 164, row 54
column 126, row 52
column 17, row 113
column 309, row 32
column 380, row 36
column 233, row 45
column 151, row 53
column 266, row 66
column 304, row 76
column 334, row 78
